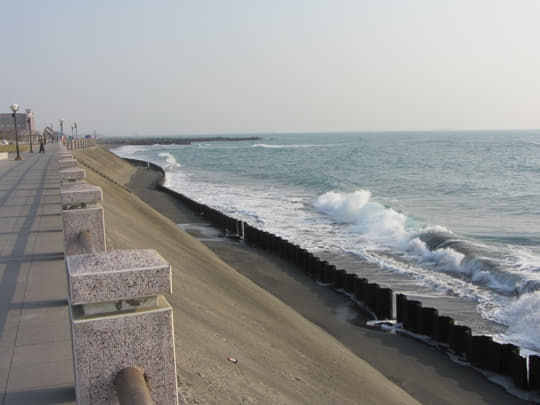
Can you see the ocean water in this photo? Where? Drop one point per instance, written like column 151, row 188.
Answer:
column 451, row 218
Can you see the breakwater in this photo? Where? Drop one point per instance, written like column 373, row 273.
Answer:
column 173, row 140
column 410, row 316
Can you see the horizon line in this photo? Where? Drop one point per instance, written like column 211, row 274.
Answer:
column 236, row 134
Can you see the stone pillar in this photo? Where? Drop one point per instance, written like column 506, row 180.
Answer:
column 119, row 320
column 72, row 175
column 82, row 216
column 66, row 163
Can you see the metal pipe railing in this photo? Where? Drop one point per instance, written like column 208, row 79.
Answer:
column 131, row 387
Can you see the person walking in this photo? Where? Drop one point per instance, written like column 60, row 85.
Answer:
column 41, row 145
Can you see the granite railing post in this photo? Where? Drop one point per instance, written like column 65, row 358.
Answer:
column 66, row 163
column 72, row 175
column 119, row 320
column 82, row 216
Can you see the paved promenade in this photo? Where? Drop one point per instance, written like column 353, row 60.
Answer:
column 36, row 364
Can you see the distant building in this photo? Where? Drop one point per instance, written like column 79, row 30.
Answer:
column 6, row 123
column 7, row 127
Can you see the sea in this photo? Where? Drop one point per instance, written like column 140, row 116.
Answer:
column 451, row 218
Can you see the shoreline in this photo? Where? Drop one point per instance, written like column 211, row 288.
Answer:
column 292, row 337
column 282, row 358
column 334, row 313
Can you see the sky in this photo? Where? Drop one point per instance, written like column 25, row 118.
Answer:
column 169, row 67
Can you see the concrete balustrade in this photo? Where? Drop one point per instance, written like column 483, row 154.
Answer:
column 72, row 175
column 64, row 154
column 79, row 143
column 67, row 163
column 80, row 195
column 119, row 319
column 82, row 215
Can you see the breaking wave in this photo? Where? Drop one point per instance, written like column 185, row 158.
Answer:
column 435, row 247
column 170, row 159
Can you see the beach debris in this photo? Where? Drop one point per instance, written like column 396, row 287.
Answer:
column 232, row 360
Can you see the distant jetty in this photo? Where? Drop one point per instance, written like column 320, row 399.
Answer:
column 171, row 140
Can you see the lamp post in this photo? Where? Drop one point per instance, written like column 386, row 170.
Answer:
column 76, row 134
column 61, row 129
column 14, row 108
column 29, row 122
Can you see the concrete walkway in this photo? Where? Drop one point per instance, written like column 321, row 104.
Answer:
column 36, row 365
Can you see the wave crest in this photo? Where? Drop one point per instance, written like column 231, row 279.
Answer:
column 170, row 159
column 433, row 246
column 343, row 207
column 523, row 318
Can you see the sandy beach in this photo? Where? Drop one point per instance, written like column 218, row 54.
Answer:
column 296, row 342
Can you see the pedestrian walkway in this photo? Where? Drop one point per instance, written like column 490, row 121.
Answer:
column 36, row 365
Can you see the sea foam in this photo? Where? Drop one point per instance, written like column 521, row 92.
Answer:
column 434, row 246
column 523, row 318
column 170, row 159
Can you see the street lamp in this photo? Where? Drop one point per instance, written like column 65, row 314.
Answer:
column 29, row 121
column 76, row 134
column 61, row 128
column 14, row 108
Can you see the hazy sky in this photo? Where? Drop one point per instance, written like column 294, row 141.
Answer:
column 239, row 66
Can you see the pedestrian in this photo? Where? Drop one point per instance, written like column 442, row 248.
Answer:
column 41, row 145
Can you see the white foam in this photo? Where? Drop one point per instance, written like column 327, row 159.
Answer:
column 381, row 228
column 170, row 159
column 344, row 207
column 129, row 150
column 523, row 318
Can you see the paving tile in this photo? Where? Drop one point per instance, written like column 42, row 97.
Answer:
column 45, row 316
column 6, row 353
column 50, row 209
column 51, row 395
column 11, row 317
column 36, row 362
column 42, row 353
column 4, row 375
column 7, row 243
column 29, row 335
column 8, row 337
column 41, row 243
column 11, row 273
column 52, row 296
column 40, row 375
column 9, row 224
